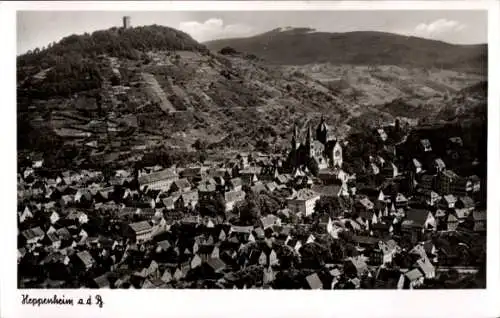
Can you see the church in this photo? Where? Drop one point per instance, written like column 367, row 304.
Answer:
column 322, row 152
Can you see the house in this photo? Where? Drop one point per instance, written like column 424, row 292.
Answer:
column 452, row 222
column 431, row 197
column 268, row 276
column 294, row 244
column 83, row 195
column 426, row 268
column 416, row 166
column 180, row 185
column 425, row 145
column 101, row 281
column 479, row 219
column 79, row 216
column 206, row 189
column 159, row 180
column 411, row 279
column 231, row 198
column 271, row 186
column 455, row 142
column 208, row 251
column 382, row 134
column 355, row 267
column 465, row 203
column 427, row 182
column 314, row 282
column 33, row 235
column 53, row 240
column 418, row 221
column 447, row 202
column 188, row 200
column 139, row 231
column 26, row 214
column 282, row 179
column 400, row 201
column 439, row 165
column 163, row 246
column 216, row 265
column 248, row 176
column 473, row 184
column 85, row 260
column 303, row 201
column 269, row 221
column 389, row 248
column 447, row 181
column 235, row 184
column 54, row 217
column 196, row 261
column 390, row 170
column 258, row 187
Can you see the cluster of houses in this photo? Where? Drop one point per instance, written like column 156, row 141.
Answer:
column 148, row 228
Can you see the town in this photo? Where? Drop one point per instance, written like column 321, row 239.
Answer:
column 404, row 209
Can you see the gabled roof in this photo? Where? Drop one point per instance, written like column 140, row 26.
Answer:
column 366, row 203
column 86, row 258
column 414, row 274
column 425, row 266
column 33, row 232
column 304, row 194
column 158, row 176
column 140, row 226
column 467, row 201
column 231, row 196
column 450, row 198
column 479, row 215
column 206, row 187
column 182, row 183
column 314, row 282
column 450, row 174
column 416, row 163
column 216, row 264
column 415, row 218
column 440, row 163
column 190, row 196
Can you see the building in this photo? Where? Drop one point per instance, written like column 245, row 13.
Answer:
column 417, row 222
column 159, row 180
column 126, row 22
column 447, row 182
column 139, row 231
column 323, row 151
column 85, row 260
column 479, row 219
column 231, row 198
column 303, row 201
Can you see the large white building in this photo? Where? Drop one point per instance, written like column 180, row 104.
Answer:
column 303, row 201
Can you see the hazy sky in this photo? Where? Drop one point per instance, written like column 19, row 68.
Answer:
column 38, row 28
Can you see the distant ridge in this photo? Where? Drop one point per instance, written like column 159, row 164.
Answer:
column 297, row 46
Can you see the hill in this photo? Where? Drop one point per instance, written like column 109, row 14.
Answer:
column 297, row 46
column 115, row 95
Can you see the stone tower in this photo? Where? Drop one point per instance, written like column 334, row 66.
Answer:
column 126, row 22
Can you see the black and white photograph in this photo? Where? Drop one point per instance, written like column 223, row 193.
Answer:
column 275, row 156
column 252, row 149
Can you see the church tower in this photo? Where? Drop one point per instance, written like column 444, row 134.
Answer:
column 309, row 142
column 294, row 138
column 322, row 131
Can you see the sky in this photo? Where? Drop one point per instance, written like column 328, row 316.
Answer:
column 39, row 28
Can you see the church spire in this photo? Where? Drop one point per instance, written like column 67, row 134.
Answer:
column 294, row 137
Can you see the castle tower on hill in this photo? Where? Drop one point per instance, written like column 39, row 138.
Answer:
column 126, row 22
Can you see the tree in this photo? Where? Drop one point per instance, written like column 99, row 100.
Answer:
column 250, row 210
column 228, row 51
